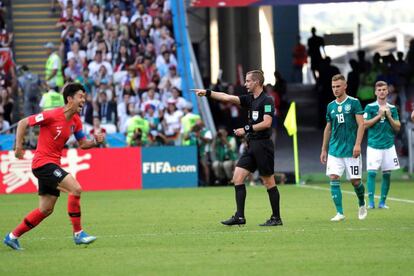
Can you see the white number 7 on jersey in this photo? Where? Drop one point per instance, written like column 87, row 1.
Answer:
column 58, row 133
column 340, row 118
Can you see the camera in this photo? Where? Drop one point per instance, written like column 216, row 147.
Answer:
column 138, row 134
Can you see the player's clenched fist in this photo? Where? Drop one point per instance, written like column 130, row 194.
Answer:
column 19, row 152
column 99, row 138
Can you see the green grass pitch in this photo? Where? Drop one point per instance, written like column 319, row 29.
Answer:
column 177, row 232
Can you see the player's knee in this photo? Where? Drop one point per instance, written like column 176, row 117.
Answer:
column 334, row 177
column 77, row 191
column 269, row 182
column 237, row 179
column 239, row 175
column 356, row 182
column 47, row 211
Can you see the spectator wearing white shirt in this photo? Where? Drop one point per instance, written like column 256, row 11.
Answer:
column 92, row 45
column 122, row 109
column 65, row 3
column 78, row 55
column 171, row 79
column 106, row 51
column 172, row 123
column 116, row 19
column 72, row 71
column 95, row 15
column 164, row 38
column 151, row 86
column 167, row 6
column 180, row 102
column 141, row 13
column 164, row 61
column 155, row 31
column 152, row 98
column 68, row 15
column 95, row 65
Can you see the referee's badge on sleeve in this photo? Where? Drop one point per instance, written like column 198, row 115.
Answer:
column 268, row 108
column 255, row 115
column 39, row 117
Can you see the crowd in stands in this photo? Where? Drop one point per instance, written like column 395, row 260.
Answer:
column 123, row 52
column 7, row 72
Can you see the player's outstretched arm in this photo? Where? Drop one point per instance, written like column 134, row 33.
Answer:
column 20, row 132
column 219, row 96
column 326, row 137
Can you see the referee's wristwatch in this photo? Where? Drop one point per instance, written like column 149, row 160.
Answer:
column 248, row 128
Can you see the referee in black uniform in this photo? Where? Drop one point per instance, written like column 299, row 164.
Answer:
column 260, row 152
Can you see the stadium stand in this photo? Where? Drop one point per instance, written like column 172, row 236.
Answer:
column 123, row 52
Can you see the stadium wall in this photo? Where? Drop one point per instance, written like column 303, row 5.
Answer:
column 109, row 169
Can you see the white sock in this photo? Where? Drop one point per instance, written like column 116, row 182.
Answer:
column 77, row 233
column 12, row 236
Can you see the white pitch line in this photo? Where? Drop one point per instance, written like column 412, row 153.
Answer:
column 352, row 193
column 207, row 233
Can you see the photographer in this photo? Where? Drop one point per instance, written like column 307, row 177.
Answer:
column 137, row 129
column 225, row 152
column 201, row 137
column 137, row 137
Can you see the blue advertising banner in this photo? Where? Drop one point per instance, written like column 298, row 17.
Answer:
column 169, row 167
column 6, row 141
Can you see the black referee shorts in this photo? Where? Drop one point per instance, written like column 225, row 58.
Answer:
column 49, row 176
column 260, row 154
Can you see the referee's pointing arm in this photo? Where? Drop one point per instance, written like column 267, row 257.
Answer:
column 219, row 96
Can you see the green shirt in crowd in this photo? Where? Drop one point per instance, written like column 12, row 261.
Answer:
column 226, row 152
column 187, row 122
column 52, row 99
column 54, row 63
column 132, row 125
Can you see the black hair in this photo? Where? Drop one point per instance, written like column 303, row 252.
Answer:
column 70, row 89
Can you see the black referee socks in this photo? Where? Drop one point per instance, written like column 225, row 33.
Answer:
column 240, row 191
column 274, row 199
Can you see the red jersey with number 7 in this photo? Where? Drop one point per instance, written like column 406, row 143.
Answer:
column 55, row 130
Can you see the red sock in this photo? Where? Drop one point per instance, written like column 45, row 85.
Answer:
column 29, row 222
column 74, row 212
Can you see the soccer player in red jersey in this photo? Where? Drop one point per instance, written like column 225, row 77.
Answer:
column 56, row 126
